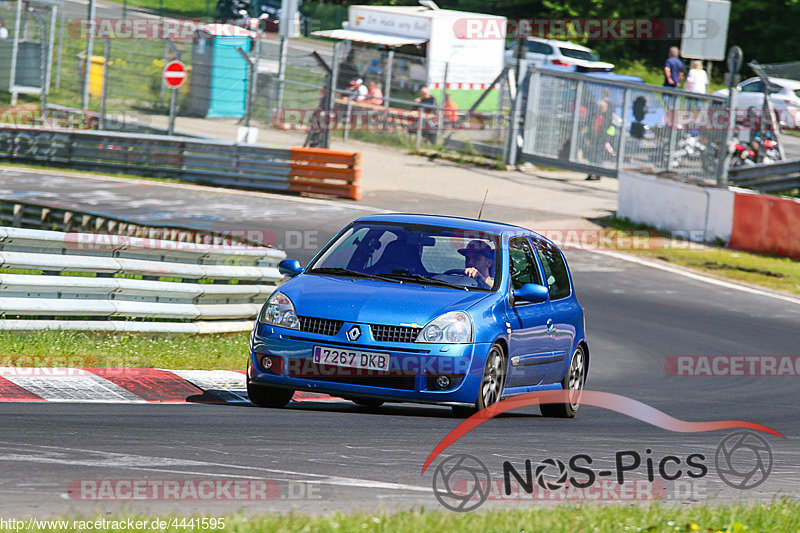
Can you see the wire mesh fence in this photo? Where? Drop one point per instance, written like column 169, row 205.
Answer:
column 579, row 122
column 259, row 77
column 601, row 126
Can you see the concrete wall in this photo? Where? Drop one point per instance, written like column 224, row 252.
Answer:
column 692, row 211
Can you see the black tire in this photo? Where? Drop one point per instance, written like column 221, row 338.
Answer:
column 367, row 402
column 574, row 380
column 266, row 396
column 492, row 383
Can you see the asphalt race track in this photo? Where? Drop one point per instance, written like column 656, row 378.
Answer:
column 335, row 455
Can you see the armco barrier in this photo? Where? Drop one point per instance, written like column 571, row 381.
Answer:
column 323, row 171
column 206, row 162
column 151, row 284
column 766, row 224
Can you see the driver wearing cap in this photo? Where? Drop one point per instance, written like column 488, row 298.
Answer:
column 479, row 261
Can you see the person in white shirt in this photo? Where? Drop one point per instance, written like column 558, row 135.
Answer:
column 697, row 80
column 3, row 30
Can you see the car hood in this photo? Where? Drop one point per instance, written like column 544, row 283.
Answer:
column 375, row 302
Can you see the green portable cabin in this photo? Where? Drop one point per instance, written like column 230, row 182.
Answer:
column 220, row 73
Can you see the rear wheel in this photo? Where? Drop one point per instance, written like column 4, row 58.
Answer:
column 573, row 382
column 266, row 396
column 492, row 383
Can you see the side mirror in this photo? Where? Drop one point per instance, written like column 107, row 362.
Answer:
column 290, row 267
column 532, row 292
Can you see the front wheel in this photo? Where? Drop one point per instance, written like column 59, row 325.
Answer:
column 266, row 396
column 492, row 383
column 573, row 382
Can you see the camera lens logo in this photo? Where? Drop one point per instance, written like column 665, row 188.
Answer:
column 743, row 460
column 458, row 480
column 551, row 482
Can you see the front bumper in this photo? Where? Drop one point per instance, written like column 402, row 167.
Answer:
column 412, row 375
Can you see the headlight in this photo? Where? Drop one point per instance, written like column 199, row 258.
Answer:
column 453, row 327
column 279, row 311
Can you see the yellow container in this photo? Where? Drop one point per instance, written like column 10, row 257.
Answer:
column 96, row 76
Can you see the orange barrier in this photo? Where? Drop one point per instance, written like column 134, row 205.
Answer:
column 323, row 171
column 766, row 224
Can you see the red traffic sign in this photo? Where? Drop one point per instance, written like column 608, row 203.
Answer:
column 174, row 74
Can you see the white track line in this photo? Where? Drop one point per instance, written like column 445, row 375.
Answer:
column 695, row 276
column 100, row 459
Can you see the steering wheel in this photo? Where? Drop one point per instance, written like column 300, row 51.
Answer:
column 460, row 272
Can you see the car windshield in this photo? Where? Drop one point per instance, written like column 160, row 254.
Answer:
column 577, row 54
column 411, row 253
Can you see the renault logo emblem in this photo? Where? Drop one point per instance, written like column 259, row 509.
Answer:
column 354, row 333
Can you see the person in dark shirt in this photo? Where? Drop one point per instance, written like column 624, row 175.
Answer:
column 425, row 98
column 673, row 69
column 427, row 114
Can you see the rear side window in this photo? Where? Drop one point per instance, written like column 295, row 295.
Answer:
column 535, row 47
column 577, row 54
column 555, row 270
column 523, row 267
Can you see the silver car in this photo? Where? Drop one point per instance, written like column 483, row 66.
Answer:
column 561, row 53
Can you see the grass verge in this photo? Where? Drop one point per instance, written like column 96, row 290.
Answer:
column 778, row 273
column 79, row 349
column 775, row 517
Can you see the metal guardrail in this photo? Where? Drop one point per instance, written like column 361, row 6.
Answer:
column 205, row 162
column 768, row 177
column 222, row 287
column 14, row 213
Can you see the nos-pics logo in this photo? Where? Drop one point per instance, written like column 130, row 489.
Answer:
column 743, row 460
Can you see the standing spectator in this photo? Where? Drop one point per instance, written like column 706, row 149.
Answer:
column 375, row 94
column 425, row 97
column 697, row 79
column 673, row 69
column 425, row 113
column 603, row 131
column 450, row 109
column 3, row 30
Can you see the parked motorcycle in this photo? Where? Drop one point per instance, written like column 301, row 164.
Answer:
column 756, row 151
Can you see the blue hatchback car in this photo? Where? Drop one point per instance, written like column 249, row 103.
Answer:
column 420, row 308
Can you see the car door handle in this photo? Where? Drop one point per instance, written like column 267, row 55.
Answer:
column 550, row 326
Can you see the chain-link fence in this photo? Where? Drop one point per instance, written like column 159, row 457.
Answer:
column 260, row 79
column 598, row 126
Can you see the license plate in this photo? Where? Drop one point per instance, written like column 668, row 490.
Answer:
column 351, row 358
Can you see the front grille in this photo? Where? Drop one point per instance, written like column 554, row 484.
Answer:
column 393, row 379
column 320, row 326
column 383, row 333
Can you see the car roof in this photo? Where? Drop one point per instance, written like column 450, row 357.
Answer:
column 448, row 222
column 785, row 82
column 564, row 44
